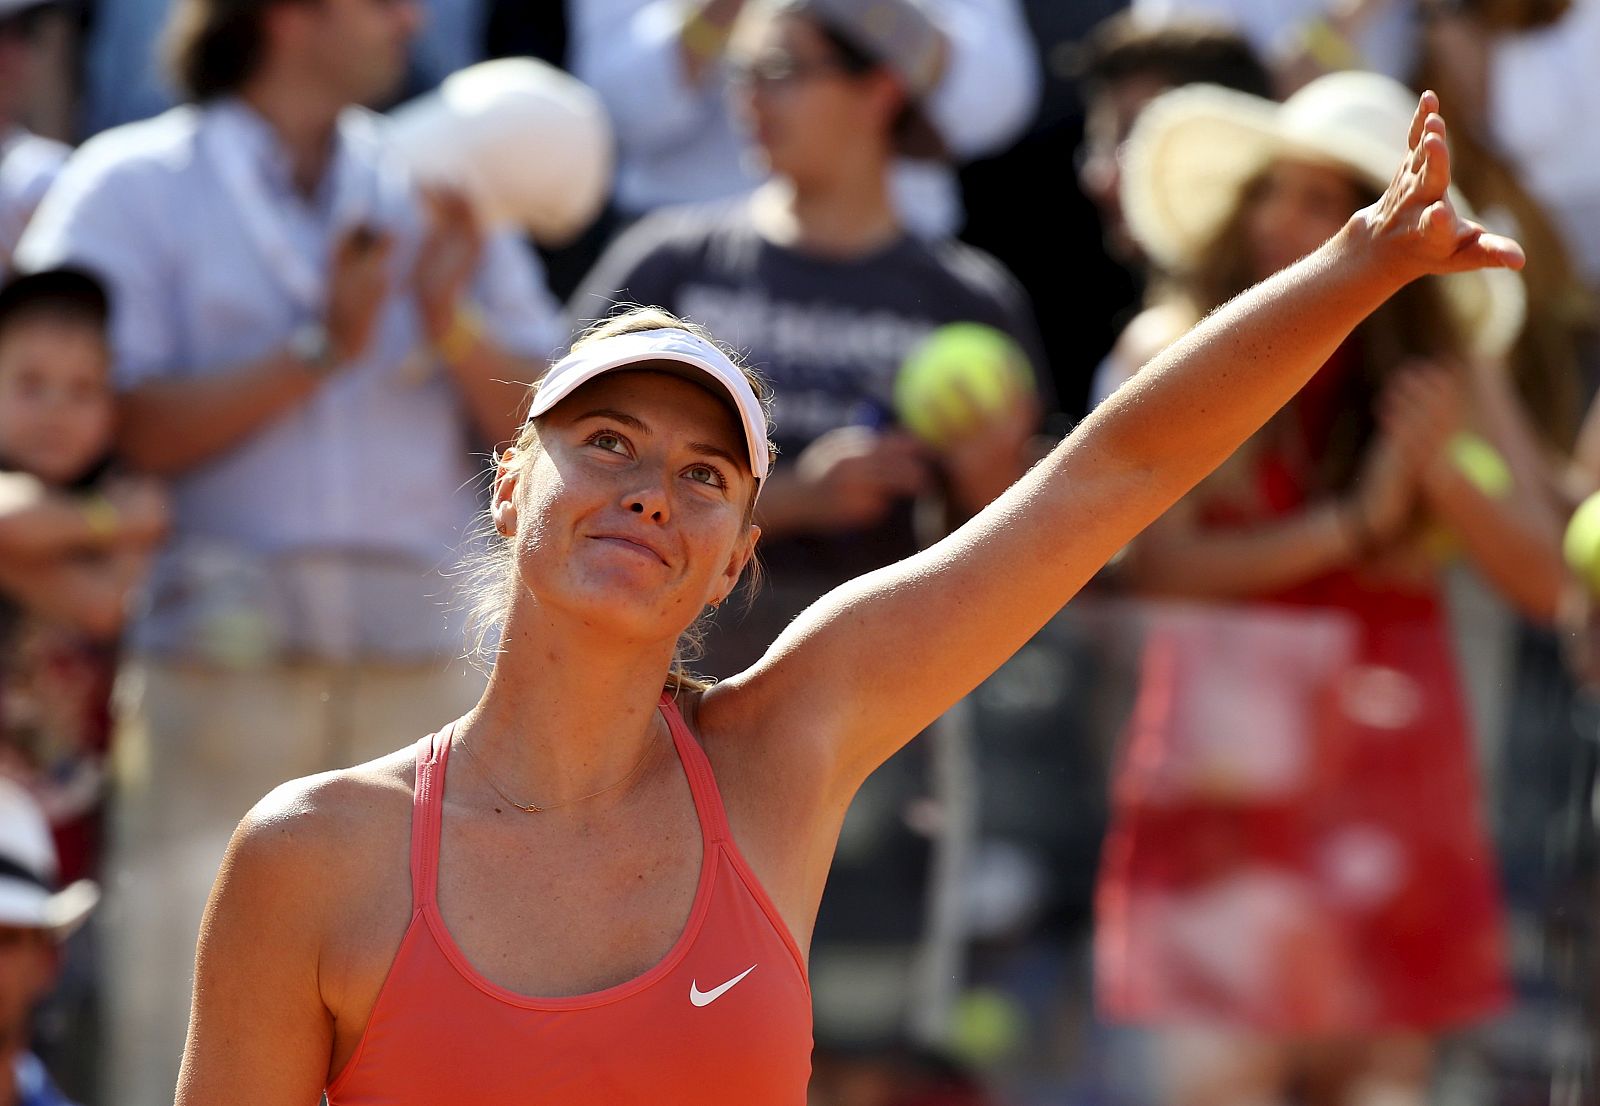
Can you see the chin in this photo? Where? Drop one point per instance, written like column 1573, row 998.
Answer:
column 619, row 603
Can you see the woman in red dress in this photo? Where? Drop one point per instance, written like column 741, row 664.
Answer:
column 1298, row 889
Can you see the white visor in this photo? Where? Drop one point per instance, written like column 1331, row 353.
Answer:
column 666, row 344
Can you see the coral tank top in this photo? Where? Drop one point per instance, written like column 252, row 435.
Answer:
column 724, row 1018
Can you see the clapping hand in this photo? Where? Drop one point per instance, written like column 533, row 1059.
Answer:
column 357, row 287
column 1421, row 410
column 448, row 258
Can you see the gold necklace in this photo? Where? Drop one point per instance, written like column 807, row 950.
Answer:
column 535, row 808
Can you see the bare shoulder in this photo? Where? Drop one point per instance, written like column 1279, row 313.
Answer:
column 325, row 829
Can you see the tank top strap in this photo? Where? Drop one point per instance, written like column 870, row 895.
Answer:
column 702, row 784
column 427, row 799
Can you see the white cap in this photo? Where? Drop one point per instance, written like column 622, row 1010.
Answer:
column 28, row 869
column 623, row 351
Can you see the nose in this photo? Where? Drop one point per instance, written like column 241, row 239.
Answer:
column 650, row 501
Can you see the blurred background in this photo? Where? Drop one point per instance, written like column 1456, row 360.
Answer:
column 1294, row 804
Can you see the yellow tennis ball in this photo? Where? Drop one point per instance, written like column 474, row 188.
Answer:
column 1581, row 544
column 986, row 1025
column 1482, row 464
column 959, row 372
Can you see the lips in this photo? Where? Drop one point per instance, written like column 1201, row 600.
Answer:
column 637, row 545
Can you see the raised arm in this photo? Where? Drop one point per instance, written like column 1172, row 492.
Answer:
column 872, row 663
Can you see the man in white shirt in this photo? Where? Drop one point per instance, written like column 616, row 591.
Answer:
column 311, row 351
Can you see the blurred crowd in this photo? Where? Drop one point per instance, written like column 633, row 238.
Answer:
column 1293, row 805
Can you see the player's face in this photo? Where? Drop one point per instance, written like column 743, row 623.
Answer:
column 1294, row 208
column 802, row 107
column 55, row 402
column 633, row 508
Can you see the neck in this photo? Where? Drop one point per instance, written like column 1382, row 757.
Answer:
column 568, row 710
column 847, row 214
column 303, row 120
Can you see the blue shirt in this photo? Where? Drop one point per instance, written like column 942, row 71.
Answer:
column 323, row 532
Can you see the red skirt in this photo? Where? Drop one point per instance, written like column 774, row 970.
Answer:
column 1297, row 845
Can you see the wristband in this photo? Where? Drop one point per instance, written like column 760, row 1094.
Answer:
column 466, row 331
column 101, row 516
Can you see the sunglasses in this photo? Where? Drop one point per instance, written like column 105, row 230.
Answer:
column 780, row 69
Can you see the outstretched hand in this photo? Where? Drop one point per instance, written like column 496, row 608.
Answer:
column 1415, row 223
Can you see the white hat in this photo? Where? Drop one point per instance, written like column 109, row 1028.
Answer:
column 28, row 895
column 530, row 144
column 669, row 344
column 1194, row 148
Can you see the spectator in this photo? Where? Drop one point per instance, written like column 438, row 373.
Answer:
column 1297, row 885
column 817, row 278
column 28, row 162
column 309, row 352
column 35, row 918
column 74, row 540
column 662, row 69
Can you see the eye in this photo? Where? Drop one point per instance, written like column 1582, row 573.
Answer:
column 609, row 440
column 706, row 474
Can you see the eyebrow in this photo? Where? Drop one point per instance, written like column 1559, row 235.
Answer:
column 705, row 449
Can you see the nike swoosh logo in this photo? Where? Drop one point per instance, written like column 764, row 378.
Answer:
column 706, row 998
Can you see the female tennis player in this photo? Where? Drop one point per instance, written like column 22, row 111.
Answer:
column 608, row 896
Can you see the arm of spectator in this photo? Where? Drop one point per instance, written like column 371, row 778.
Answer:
column 38, row 524
column 1511, row 534
column 847, row 479
column 991, row 84
column 89, row 593
column 1177, row 556
column 486, row 311
column 170, row 426
column 633, row 54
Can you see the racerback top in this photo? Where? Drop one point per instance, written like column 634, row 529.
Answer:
column 723, row 1019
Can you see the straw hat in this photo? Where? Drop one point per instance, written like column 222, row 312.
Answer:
column 531, row 145
column 28, row 895
column 1194, row 148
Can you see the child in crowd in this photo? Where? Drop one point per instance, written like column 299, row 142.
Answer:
column 74, row 538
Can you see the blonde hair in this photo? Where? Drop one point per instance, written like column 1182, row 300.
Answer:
column 490, row 572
